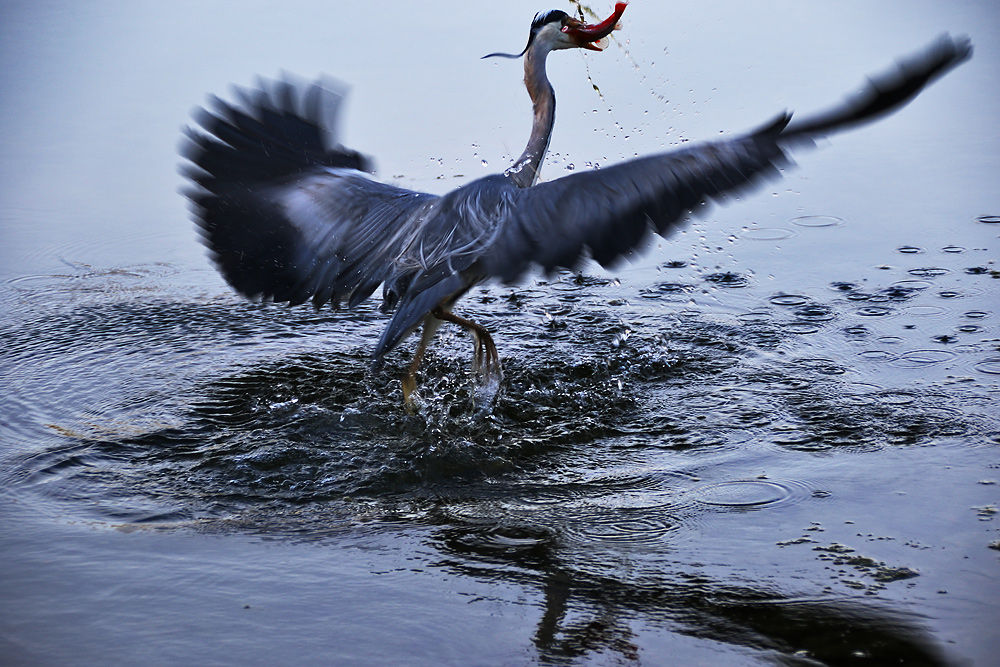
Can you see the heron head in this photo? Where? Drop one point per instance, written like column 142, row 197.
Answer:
column 555, row 29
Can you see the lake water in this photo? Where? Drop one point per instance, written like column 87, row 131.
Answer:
column 775, row 440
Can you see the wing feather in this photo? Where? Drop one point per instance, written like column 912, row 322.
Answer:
column 286, row 212
column 607, row 214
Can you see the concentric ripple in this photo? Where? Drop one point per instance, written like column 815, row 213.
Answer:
column 789, row 300
column 926, row 311
column 817, row 221
column 990, row 366
column 874, row 311
column 929, row 271
column 920, row 358
column 750, row 493
column 622, row 527
column 768, row 234
column 728, row 279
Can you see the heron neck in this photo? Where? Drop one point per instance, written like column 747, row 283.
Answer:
column 524, row 171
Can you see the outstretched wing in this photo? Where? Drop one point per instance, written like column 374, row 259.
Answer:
column 606, row 214
column 288, row 213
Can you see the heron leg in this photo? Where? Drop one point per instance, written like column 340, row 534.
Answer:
column 486, row 360
column 431, row 325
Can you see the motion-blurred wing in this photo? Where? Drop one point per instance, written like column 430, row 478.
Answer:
column 607, row 214
column 286, row 212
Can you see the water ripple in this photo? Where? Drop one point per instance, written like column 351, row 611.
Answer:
column 817, row 221
column 728, row 279
column 789, row 300
column 929, row 272
column 990, row 366
column 768, row 234
column 751, row 493
column 622, row 527
column 921, row 358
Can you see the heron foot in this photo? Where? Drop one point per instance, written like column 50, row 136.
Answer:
column 409, row 383
column 486, row 365
column 485, row 359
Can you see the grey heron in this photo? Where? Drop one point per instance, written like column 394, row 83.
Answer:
column 289, row 214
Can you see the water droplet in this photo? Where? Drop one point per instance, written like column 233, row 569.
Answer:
column 620, row 338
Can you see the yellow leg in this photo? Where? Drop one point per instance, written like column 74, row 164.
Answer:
column 431, row 324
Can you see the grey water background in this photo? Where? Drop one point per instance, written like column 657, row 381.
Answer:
column 773, row 440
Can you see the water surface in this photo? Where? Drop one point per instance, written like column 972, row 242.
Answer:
column 774, row 440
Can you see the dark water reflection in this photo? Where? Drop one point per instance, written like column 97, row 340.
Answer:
column 773, row 442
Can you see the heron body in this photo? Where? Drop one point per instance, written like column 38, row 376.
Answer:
column 290, row 215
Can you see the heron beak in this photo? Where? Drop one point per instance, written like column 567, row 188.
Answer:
column 591, row 36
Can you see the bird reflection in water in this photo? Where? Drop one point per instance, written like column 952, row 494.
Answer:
column 290, row 215
column 590, row 608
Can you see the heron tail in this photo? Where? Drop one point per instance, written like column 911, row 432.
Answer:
column 274, row 131
column 244, row 149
